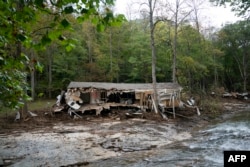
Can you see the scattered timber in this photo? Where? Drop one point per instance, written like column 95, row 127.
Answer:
column 95, row 96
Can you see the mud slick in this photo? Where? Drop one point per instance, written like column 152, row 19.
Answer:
column 60, row 141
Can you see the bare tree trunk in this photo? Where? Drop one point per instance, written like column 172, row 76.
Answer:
column 179, row 15
column 50, row 74
column 215, row 73
column 175, row 40
column 151, row 17
column 111, row 55
column 175, row 52
column 23, row 109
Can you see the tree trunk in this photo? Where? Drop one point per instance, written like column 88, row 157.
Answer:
column 24, row 109
column 111, row 55
column 50, row 74
column 175, row 43
column 245, row 65
column 155, row 97
column 174, row 54
column 32, row 74
column 242, row 65
column 215, row 73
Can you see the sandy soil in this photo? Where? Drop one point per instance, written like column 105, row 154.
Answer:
column 58, row 140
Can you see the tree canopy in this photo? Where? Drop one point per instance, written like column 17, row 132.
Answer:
column 239, row 6
column 46, row 44
column 20, row 31
column 234, row 39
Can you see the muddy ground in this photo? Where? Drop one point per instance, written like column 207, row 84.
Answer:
column 60, row 140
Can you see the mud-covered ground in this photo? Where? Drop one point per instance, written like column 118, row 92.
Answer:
column 59, row 140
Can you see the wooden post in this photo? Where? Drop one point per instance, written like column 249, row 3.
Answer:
column 173, row 105
column 141, row 100
column 154, row 105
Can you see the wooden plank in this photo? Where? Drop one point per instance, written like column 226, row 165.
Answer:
column 141, row 100
column 173, row 106
column 154, row 105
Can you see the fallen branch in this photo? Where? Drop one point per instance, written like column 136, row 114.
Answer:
column 193, row 107
column 72, row 111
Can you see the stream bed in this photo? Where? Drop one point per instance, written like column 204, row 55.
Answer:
column 205, row 148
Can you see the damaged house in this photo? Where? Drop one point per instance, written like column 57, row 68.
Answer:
column 84, row 96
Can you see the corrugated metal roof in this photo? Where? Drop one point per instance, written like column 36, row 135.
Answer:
column 124, row 86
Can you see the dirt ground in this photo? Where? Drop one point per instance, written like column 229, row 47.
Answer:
column 60, row 140
column 46, row 119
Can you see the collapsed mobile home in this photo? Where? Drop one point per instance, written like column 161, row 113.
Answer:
column 98, row 96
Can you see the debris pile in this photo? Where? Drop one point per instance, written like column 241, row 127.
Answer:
column 221, row 92
column 236, row 95
column 94, row 96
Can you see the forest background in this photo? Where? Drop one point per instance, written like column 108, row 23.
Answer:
column 46, row 44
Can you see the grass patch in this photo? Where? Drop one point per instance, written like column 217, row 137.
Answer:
column 33, row 105
column 212, row 105
column 40, row 104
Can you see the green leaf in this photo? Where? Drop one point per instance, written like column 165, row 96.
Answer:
column 39, row 2
column 84, row 11
column 95, row 20
column 39, row 67
column 80, row 19
column 53, row 24
column 61, row 38
column 110, row 2
column 54, row 35
column 69, row 47
column 56, row 18
column 68, row 10
column 24, row 57
column 65, row 23
column 28, row 42
column 132, row 60
column 119, row 19
column 21, row 37
column 45, row 40
column 100, row 27
column 40, row 95
column 108, row 17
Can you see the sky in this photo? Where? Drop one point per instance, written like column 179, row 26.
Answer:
column 210, row 15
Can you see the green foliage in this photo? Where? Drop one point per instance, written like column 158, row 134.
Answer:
column 39, row 67
column 234, row 39
column 13, row 81
column 239, row 6
column 36, row 24
column 74, row 41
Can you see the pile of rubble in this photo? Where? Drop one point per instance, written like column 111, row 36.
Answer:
column 236, row 95
column 92, row 96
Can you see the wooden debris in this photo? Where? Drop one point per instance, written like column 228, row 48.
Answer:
column 32, row 114
column 87, row 96
column 72, row 111
column 236, row 95
column 18, row 116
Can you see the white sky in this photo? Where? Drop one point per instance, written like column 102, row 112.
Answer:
column 211, row 15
